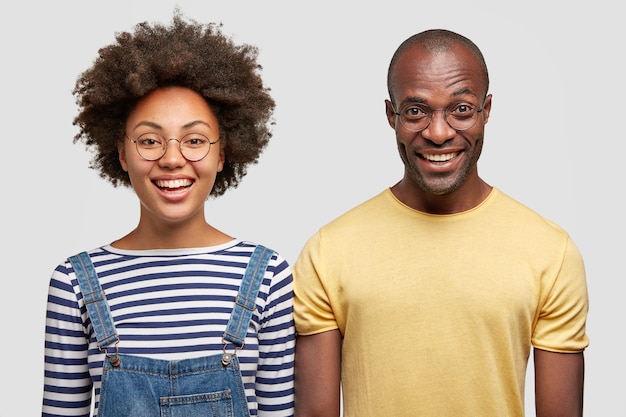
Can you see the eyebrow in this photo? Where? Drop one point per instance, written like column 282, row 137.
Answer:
column 464, row 91
column 420, row 100
column 157, row 126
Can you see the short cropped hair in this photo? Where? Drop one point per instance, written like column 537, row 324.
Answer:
column 436, row 40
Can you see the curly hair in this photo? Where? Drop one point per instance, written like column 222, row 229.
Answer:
column 187, row 54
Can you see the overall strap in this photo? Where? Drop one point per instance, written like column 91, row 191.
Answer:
column 245, row 302
column 94, row 300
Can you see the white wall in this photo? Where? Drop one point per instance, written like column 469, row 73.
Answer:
column 555, row 141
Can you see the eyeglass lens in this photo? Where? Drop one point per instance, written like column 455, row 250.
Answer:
column 193, row 146
column 459, row 116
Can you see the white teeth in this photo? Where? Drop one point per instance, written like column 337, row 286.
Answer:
column 173, row 183
column 440, row 158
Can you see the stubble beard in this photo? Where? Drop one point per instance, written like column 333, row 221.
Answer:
column 445, row 183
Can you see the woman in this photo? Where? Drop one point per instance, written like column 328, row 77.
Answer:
column 177, row 112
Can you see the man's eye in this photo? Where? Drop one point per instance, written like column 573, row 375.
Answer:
column 415, row 112
column 463, row 108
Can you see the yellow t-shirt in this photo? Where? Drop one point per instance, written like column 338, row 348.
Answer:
column 438, row 312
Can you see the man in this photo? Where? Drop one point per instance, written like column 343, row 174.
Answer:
column 427, row 299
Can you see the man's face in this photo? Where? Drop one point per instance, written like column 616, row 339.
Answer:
column 439, row 159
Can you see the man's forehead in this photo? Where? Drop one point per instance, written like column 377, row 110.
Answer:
column 455, row 66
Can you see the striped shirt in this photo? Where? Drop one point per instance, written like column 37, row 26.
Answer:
column 170, row 304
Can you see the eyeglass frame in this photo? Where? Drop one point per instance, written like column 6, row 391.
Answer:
column 445, row 116
column 167, row 141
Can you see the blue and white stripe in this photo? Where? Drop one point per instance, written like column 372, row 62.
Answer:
column 170, row 304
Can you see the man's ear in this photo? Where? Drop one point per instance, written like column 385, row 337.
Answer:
column 487, row 108
column 391, row 114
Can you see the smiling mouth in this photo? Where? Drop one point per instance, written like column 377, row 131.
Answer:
column 445, row 157
column 173, row 184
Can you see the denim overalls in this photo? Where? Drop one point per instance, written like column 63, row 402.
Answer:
column 135, row 386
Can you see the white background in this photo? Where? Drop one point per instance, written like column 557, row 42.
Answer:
column 555, row 141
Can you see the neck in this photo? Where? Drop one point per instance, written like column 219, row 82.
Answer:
column 469, row 195
column 163, row 235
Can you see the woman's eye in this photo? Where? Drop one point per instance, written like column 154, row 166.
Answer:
column 195, row 140
column 150, row 141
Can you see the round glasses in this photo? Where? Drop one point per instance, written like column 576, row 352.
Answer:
column 152, row 146
column 417, row 117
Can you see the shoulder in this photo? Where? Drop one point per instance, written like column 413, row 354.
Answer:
column 528, row 230
column 519, row 212
column 65, row 269
column 355, row 216
column 278, row 270
column 253, row 249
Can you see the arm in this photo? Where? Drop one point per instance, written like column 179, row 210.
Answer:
column 274, row 383
column 559, row 381
column 318, row 374
column 67, row 382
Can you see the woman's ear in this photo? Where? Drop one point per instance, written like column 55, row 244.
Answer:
column 121, row 151
column 222, row 159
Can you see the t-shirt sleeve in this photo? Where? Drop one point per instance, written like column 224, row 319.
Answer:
column 312, row 305
column 561, row 323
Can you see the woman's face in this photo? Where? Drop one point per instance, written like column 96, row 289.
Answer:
column 171, row 188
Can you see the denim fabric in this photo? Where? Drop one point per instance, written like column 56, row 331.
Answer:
column 135, row 386
column 95, row 300
column 245, row 302
column 144, row 387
